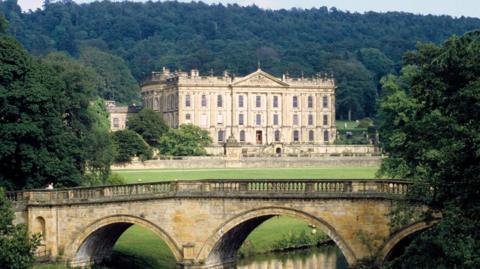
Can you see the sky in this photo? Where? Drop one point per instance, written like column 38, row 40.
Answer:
column 457, row 8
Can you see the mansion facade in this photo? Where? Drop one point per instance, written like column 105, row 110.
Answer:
column 258, row 109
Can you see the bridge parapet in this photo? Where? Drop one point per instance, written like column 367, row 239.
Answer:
column 219, row 188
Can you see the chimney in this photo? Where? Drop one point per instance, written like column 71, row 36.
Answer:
column 194, row 73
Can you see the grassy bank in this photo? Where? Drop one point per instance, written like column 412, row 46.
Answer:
column 154, row 175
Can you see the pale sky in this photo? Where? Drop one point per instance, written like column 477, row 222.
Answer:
column 469, row 8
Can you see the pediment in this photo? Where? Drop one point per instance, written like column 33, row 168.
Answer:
column 259, row 78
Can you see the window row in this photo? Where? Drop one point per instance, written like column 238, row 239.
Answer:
column 277, row 136
column 258, row 119
column 258, row 101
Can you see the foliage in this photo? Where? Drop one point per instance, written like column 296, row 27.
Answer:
column 50, row 129
column 149, row 124
column 38, row 132
column 188, row 140
column 365, row 123
column 99, row 114
column 117, row 83
column 3, row 24
column 130, row 144
column 100, row 149
column 85, row 116
column 429, row 128
column 358, row 48
column 16, row 248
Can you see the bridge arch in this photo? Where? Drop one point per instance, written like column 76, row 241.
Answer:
column 96, row 241
column 223, row 245
column 400, row 235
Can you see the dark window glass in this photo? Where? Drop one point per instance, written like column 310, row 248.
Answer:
column 277, row 136
column 296, row 136
column 310, row 102
column 295, row 119
column 310, row 119
column 275, row 119
column 240, row 119
column 187, row 100
column 219, row 101
column 242, row 136
column 258, row 119
column 220, row 136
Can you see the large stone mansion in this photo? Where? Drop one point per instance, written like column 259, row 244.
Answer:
column 257, row 110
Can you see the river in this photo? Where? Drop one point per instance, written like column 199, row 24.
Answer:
column 325, row 257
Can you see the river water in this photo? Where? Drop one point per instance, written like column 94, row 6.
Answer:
column 325, row 257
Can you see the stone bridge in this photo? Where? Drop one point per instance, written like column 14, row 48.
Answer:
column 204, row 223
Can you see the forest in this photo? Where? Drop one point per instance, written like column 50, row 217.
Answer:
column 125, row 41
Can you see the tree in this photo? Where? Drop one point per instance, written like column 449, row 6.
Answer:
column 130, row 144
column 431, row 133
column 16, row 248
column 36, row 145
column 188, row 140
column 117, row 82
column 149, row 124
column 99, row 145
column 85, row 116
column 3, row 24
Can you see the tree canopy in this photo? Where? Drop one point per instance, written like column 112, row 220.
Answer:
column 149, row 124
column 430, row 130
column 47, row 126
column 129, row 145
column 188, row 140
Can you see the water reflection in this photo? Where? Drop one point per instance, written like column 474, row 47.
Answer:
column 326, row 257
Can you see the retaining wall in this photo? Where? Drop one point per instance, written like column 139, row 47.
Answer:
column 254, row 162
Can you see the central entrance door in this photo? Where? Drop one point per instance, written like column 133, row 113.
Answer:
column 259, row 137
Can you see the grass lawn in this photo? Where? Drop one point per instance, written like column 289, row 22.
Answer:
column 349, row 124
column 154, row 175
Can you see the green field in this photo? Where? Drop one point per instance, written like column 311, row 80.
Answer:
column 345, row 124
column 154, row 175
column 141, row 248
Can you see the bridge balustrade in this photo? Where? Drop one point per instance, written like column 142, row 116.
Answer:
column 215, row 188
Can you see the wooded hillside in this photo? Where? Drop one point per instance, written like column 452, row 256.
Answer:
column 117, row 39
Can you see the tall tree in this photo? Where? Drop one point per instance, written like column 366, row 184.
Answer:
column 431, row 133
column 85, row 116
column 37, row 147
